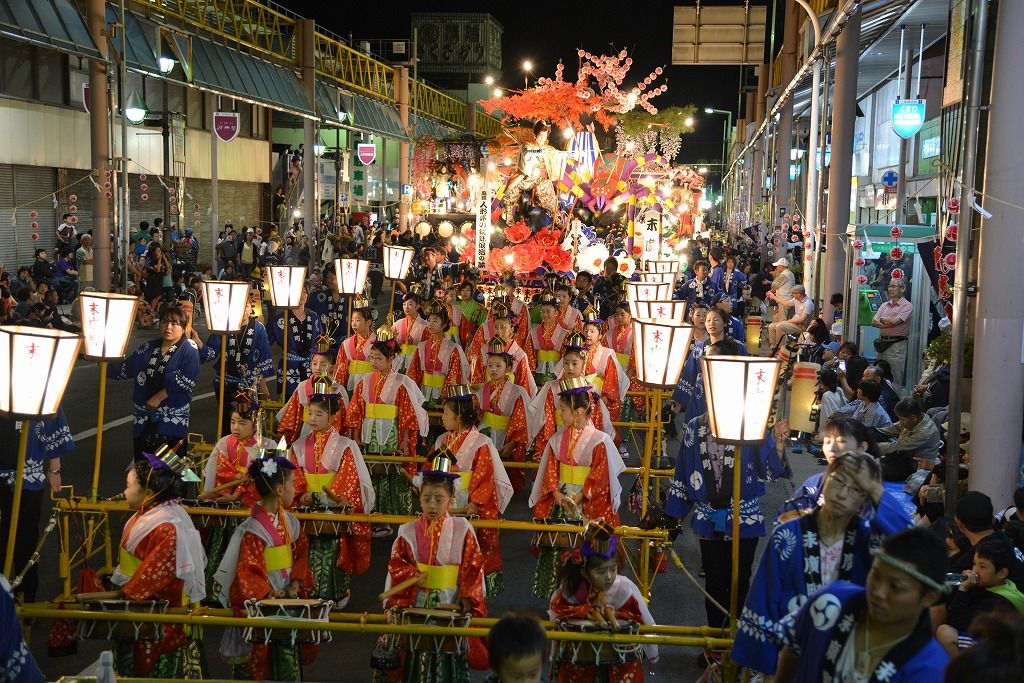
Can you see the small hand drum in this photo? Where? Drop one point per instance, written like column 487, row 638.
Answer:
column 556, row 538
column 329, row 527
column 204, row 521
column 449, row 645
column 307, row 615
column 592, row 652
column 88, row 629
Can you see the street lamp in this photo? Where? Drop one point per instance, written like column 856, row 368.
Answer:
column 285, row 283
column 703, row 170
column 646, row 291
column 739, row 391
column 725, row 131
column 106, row 326
column 35, row 365
column 135, row 108
column 396, row 266
column 488, row 80
column 527, row 69
column 225, row 306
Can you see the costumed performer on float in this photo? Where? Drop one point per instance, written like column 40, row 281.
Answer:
column 161, row 557
column 519, row 365
column 442, row 551
column 409, row 331
column 351, row 364
column 578, row 477
column 333, row 474
column 439, row 361
column 535, row 172
column 291, row 419
column 386, row 416
column 544, row 345
column 591, row 587
column 268, row 557
column 505, row 407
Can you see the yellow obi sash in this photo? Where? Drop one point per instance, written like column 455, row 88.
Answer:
column 408, row 349
column 464, row 479
column 548, row 356
column 496, row 421
column 596, row 381
column 575, row 475
column 359, row 367
column 433, row 380
column 278, row 557
column 305, row 414
column 452, row 332
column 129, row 563
column 439, row 577
column 623, row 359
column 558, row 418
column 381, row 411
column 318, row 482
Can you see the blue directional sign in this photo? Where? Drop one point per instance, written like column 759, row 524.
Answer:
column 890, row 178
column 907, row 117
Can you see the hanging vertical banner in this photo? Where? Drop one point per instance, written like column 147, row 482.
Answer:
column 225, row 124
column 483, row 226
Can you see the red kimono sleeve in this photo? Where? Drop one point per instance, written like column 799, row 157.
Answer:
column 610, row 390
column 300, row 562
column 563, row 609
column 402, row 566
column 354, row 548
column 341, row 365
column 531, row 353
column 156, row 577
column 471, row 576
column 550, row 484
column 550, row 424
column 408, row 428
column 477, row 369
column 597, row 500
column 415, row 370
column 251, row 580
column 481, row 488
column 290, row 424
column 299, row 476
column 454, row 375
column 355, row 414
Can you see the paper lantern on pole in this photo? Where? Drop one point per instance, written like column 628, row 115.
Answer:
column 753, row 332
column 739, row 392
column 397, row 261
column 225, row 305
column 803, row 399
column 661, row 310
column 107, row 321
column 661, row 347
column 647, row 291
column 663, row 267
column 285, row 284
column 351, row 274
column 657, row 277
column 445, row 229
column 35, row 365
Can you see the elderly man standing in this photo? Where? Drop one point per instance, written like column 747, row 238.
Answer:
column 782, row 289
column 803, row 312
column 893, row 323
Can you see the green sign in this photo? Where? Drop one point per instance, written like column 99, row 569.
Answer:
column 907, row 117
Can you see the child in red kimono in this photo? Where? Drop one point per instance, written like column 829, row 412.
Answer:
column 351, row 364
column 504, row 405
column 619, row 338
column 519, row 364
column 443, row 553
column 268, row 558
column 592, row 589
column 544, row 344
column 578, row 477
column 161, row 558
column 603, row 370
column 409, row 331
column 291, row 419
column 333, row 474
column 483, row 489
column 569, row 317
column 439, row 361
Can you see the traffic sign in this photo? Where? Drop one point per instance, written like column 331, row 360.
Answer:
column 343, row 197
column 907, row 117
column 890, row 178
column 407, row 189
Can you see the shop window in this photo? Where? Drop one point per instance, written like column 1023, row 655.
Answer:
column 52, row 76
column 16, row 77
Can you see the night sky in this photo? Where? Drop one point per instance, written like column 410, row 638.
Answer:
column 545, row 32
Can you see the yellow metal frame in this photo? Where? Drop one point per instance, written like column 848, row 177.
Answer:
column 430, row 101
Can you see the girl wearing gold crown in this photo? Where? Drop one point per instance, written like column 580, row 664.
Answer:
column 619, row 338
column 603, row 370
column 569, row 316
column 519, row 364
column 439, row 360
column 504, row 405
column 483, row 488
column 409, row 331
column 332, row 473
column 543, row 415
column 592, row 587
column 351, row 364
column 386, row 415
column 268, row 558
column 303, row 330
column 544, row 345
column 161, row 558
column 291, row 419
column 578, row 477
column 436, row 559
column 467, row 314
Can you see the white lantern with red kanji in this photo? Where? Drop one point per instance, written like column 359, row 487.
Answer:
column 107, row 320
column 397, row 261
column 225, row 305
column 647, row 291
column 351, row 275
column 35, row 365
column 285, row 284
column 739, row 392
column 660, row 310
column 656, row 266
column 661, row 347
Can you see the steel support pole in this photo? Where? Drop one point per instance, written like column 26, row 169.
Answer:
column 123, row 199
column 214, row 101
column 783, row 189
column 310, row 202
column 404, row 201
column 19, row 480
column 844, row 112
column 901, row 182
column 99, row 139
column 819, row 199
column 811, row 198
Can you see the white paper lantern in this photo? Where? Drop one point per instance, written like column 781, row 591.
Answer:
column 285, row 284
column 35, row 365
column 802, row 397
column 423, row 228
column 397, row 261
column 663, row 266
column 656, row 277
column 106, row 323
column 739, row 392
column 351, row 274
column 225, row 305
column 646, row 291
column 659, row 310
column 661, row 347
column 445, row 229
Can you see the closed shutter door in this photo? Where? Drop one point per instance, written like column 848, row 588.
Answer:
column 33, row 190
column 8, row 241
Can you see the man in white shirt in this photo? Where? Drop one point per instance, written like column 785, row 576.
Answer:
column 803, row 312
column 782, row 289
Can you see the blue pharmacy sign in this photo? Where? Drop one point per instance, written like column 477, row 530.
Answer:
column 907, row 117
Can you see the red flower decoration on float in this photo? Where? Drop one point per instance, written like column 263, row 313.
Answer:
column 548, row 239
column 637, row 250
column 469, row 234
column 497, row 261
column 559, row 259
column 467, row 256
column 518, row 232
column 527, row 257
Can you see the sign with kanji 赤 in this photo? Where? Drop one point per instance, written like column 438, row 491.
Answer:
column 366, row 152
column 225, row 125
